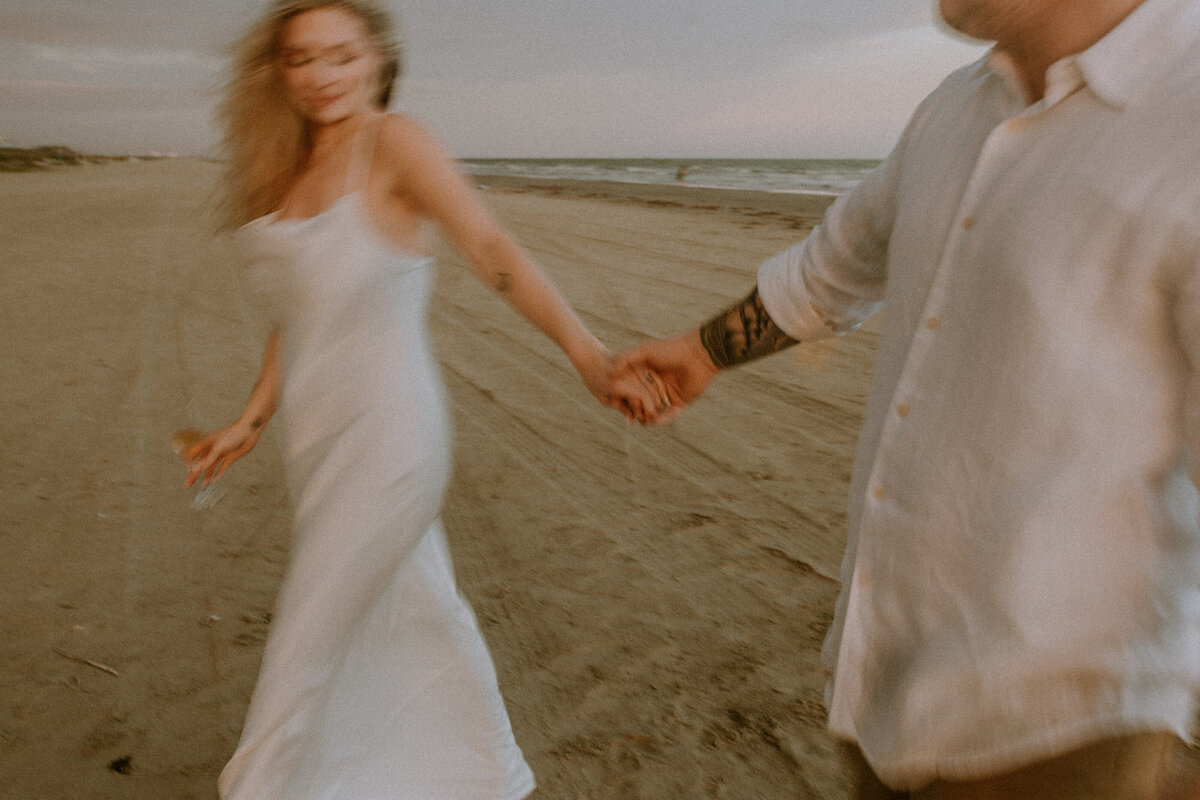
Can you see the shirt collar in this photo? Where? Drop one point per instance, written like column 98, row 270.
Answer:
column 1126, row 61
column 999, row 64
column 1132, row 56
column 1063, row 78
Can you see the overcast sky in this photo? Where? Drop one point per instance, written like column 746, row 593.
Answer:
column 599, row 78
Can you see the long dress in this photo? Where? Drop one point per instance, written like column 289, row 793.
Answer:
column 375, row 681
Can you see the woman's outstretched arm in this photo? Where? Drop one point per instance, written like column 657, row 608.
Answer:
column 428, row 179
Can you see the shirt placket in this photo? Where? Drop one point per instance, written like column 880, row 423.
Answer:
column 1000, row 149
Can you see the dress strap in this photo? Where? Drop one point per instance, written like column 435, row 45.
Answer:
column 361, row 156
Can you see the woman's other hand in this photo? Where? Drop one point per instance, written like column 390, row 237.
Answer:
column 208, row 459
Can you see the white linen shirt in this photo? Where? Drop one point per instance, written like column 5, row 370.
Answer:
column 1022, row 571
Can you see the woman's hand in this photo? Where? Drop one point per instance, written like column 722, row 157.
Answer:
column 208, row 459
column 681, row 366
column 639, row 395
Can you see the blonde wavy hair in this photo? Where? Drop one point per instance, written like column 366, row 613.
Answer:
column 265, row 140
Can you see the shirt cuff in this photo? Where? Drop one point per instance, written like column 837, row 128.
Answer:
column 783, row 294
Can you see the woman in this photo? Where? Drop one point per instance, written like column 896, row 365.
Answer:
column 375, row 682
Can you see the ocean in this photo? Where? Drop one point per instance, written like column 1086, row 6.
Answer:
column 807, row 175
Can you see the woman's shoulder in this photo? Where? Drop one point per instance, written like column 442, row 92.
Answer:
column 408, row 151
column 392, row 123
column 401, row 135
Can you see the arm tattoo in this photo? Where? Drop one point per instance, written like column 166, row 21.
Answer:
column 743, row 333
column 504, row 282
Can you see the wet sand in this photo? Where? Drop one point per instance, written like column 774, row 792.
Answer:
column 654, row 599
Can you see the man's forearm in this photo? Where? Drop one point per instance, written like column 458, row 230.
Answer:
column 743, row 333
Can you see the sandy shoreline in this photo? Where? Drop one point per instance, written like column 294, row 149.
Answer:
column 654, row 599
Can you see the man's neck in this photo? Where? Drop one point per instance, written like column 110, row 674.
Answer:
column 1063, row 28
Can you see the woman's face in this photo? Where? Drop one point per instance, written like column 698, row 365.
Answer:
column 330, row 68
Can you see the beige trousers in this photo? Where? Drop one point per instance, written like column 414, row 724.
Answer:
column 1147, row 766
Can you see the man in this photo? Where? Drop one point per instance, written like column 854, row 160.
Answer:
column 1020, row 610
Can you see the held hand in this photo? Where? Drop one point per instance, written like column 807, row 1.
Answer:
column 640, row 396
column 638, row 393
column 681, row 364
column 208, row 459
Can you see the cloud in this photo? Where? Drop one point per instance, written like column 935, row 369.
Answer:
column 506, row 77
column 101, row 67
column 149, row 57
column 701, row 39
column 110, row 120
column 52, row 98
column 848, row 97
column 129, row 24
column 844, row 98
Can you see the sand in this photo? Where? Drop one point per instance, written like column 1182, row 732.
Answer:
column 654, row 599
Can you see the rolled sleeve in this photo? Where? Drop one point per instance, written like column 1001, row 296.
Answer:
column 835, row 279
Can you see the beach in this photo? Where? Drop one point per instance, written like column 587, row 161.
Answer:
column 654, row 599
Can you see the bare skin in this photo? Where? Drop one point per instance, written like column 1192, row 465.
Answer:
column 686, row 364
column 330, row 75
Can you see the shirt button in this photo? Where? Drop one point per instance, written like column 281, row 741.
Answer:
column 864, row 579
column 880, row 493
column 902, row 410
column 968, row 223
column 932, row 323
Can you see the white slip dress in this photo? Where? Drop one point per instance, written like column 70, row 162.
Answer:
column 375, row 682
